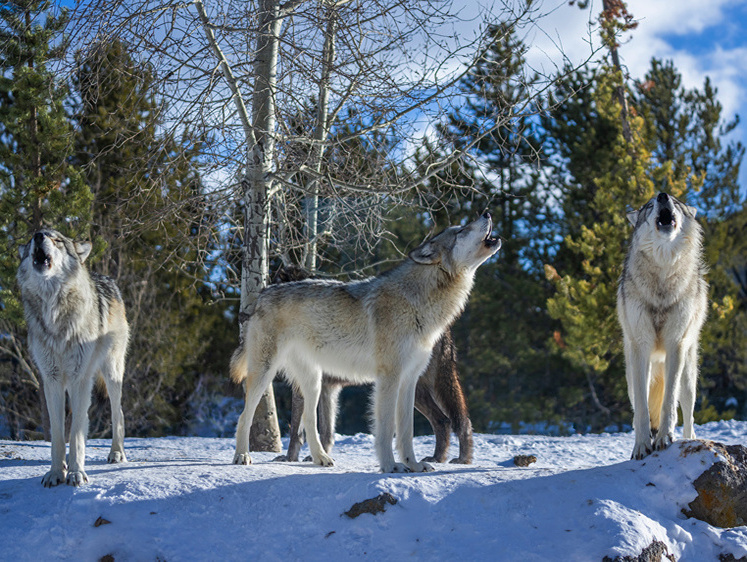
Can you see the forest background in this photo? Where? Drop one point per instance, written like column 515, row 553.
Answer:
column 112, row 129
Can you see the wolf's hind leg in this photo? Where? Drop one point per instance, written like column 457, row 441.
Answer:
column 255, row 385
column 113, row 373
column 310, row 385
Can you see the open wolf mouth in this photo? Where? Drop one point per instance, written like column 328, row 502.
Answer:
column 665, row 221
column 488, row 241
column 41, row 259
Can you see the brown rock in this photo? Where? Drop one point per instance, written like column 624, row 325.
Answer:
column 722, row 489
column 524, row 460
column 655, row 552
column 372, row 506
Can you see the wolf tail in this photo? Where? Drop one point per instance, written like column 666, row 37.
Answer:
column 239, row 364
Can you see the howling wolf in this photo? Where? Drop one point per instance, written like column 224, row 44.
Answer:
column 379, row 330
column 77, row 329
column 662, row 302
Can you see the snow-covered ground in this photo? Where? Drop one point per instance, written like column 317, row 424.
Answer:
column 180, row 499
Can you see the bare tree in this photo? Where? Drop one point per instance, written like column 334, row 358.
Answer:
column 244, row 71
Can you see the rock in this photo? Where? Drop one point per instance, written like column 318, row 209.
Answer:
column 372, row 506
column 722, row 489
column 655, row 552
column 524, row 460
column 101, row 521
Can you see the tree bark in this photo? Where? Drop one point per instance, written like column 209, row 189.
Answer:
column 255, row 187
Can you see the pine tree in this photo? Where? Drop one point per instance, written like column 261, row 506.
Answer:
column 503, row 335
column 38, row 185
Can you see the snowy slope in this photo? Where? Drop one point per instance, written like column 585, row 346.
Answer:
column 180, row 499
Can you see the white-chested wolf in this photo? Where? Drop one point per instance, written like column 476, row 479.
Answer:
column 662, row 302
column 77, row 330
column 379, row 330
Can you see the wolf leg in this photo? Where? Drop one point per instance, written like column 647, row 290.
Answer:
column 656, row 394
column 80, row 400
column 310, row 386
column 327, row 412
column 688, row 391
column 674, row 365
column 637, row 366
column 440, row 423
column 296, row 429
column 404, row 427
column 385, row 400
column 55, row 396
column 113, row 373
column 255, row 385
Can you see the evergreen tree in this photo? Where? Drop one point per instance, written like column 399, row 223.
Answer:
column 38, row 185
column 505, row 361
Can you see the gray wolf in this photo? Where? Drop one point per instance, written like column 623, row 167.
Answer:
column 662, row 302
column 77, row 330
column 438, row 396
column 379, row 330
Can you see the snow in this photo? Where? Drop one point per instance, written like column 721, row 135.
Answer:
column 179, row 498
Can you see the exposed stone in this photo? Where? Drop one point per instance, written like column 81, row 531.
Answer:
column 722, row 489
column 655, row 552
column 524, row 460
column 372, row 506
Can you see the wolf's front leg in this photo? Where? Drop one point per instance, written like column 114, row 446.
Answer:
column 80, row 400
column 404, row 429
column 673, row 374
column 385, row 401
column 637, row 366
column 55, row 396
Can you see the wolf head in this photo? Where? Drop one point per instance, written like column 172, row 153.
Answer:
column 663, row 224
column 50, row 258
column 459, row 247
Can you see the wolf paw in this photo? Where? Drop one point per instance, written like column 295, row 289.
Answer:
column 433, row 459
column 281, row 458
column 53, row 478
column 116, row 457
column 421, row 467
column 242, row 458
column 461, row 460
column 662, row 441
column 641, row 450
column 77, row 478
column 324, row 460
column 395, row 467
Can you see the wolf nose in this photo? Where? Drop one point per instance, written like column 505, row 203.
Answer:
column 662, row 198
column 39, row 237
column 486, row 215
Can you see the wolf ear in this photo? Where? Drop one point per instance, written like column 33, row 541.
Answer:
column 83, row 249
column 692, row 210
column 426, row 254
column 632, row 217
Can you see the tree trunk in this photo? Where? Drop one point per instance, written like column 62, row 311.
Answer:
column 256, row 185
column 265, row 432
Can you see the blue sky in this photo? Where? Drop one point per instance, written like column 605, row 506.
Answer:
column 702, row 38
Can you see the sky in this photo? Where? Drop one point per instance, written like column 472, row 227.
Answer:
column 702, row 38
